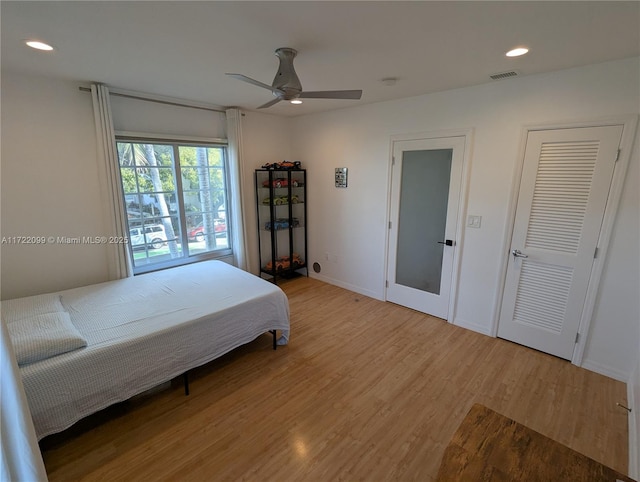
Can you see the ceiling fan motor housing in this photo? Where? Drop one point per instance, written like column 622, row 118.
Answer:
column 286, row 84
column 286, row 78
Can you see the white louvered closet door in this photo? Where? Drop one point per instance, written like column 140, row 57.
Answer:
column 563, row 194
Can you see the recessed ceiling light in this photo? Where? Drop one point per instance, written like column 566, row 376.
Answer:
column 35, row 44
column 517, row 52
column 296, row 101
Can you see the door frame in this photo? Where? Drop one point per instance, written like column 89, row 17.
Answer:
column 467, row 134
column 629, row 123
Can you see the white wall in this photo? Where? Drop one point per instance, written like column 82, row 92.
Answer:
column 266, row 138
column 349, row 225
column 50, row 186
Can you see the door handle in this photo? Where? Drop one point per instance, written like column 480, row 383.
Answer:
column 447, row 242
column 518, row 254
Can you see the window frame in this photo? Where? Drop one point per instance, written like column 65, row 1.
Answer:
column 176, row 142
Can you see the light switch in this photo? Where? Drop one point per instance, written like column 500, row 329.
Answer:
column 474, row 221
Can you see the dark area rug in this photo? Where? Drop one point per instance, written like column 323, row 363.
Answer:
column 491, row 447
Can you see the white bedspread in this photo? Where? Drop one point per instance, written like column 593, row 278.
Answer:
column 145, row 330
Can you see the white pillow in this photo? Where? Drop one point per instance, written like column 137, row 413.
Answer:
column 44, row 336
column 19, row 308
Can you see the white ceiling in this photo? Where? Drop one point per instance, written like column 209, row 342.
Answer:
column 183, row 49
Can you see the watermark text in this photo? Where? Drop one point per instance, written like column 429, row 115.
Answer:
column 36, row 240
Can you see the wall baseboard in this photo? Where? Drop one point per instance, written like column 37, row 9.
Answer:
column 346, row 286
column 605, row 370
column 469, row 325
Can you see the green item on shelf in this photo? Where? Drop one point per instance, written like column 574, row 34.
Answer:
column 280, row 200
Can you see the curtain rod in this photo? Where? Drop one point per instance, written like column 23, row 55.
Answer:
column 151, row 99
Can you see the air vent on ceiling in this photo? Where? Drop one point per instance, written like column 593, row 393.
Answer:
column 504, row 75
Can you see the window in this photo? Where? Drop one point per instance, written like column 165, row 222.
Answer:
column 175, row 196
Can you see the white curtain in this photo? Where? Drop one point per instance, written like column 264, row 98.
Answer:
column 20, row 458
column 120, row 265
column 236, row 175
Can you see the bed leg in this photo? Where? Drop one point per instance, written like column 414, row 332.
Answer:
column 185, row 378
column 275, row 344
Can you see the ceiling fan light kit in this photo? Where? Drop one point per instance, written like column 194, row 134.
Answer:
column 286, row 84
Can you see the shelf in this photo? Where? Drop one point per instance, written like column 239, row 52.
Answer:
column 266, row 188
column 280, row 230
column 280, row 272
column 281, row 225
column 282, row 204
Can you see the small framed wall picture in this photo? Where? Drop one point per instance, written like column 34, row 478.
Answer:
column 341, row 176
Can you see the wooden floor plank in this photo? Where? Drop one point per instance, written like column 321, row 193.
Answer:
column 365, row 390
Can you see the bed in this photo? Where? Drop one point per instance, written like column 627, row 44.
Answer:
column 127, row 336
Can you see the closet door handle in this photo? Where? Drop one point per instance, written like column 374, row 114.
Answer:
column 518, row 254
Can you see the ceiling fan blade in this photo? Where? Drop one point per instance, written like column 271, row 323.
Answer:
column 332, row 94
column 269, row 104
column 249, row 80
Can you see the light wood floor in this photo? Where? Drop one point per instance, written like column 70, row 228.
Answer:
column 365, row 390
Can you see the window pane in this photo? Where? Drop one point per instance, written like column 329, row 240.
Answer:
column 129, row 182
column 125, row 154
column 204, row 197
column 164, row 155
column 215, row 156
column 155, row 240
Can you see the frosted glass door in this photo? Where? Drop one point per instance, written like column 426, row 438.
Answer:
column 424, row 194
column 426, row 181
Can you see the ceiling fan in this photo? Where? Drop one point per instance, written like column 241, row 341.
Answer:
column 286, row 84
